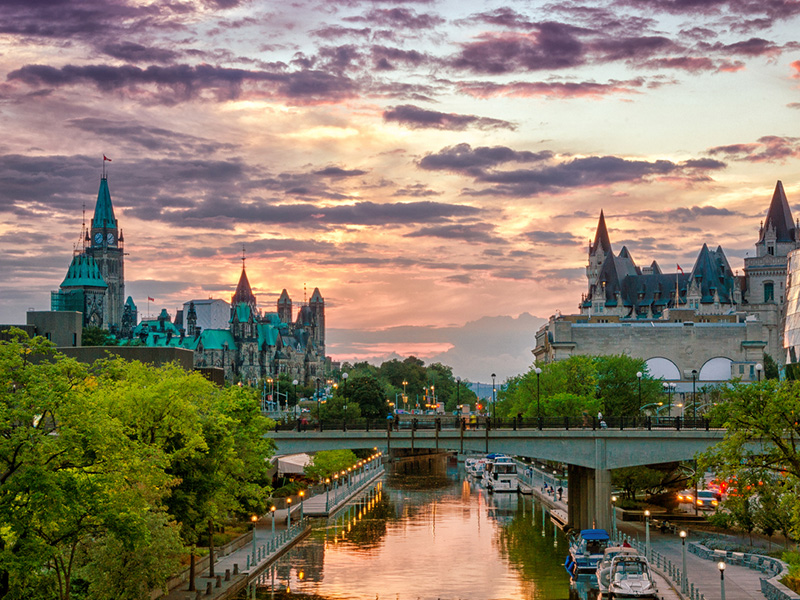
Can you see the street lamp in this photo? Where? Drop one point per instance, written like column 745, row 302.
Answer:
column 405, row 398
column 538, row 372
column 272, row 510
column 254, row 519
column 614, row 517
column 694, row 396
column 294, row 383
column 721, row 567
column 345, row 376
column 493, row 400
column 288, row 513
column 319, row 420
column 639, row 377
column 302, row 493
column 647, row 534
column 684, row 585
column 759, row 368
column 458, row 393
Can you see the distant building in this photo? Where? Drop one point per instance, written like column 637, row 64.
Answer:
column 211, row 313
column 707, row 323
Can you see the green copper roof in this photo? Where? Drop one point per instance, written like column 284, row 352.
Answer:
column 242, row 313
column 215, row 339
column 83, row 272
column 267, row 333
column 103, row 211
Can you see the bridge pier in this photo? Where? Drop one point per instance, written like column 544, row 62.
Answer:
column 589, row 503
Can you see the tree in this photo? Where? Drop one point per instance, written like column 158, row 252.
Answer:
column 761, row 440
column 328, row 462
column 369, row 394
column 771, row 369
column 96, row 336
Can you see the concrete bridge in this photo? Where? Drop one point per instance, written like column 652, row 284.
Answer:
column 589, row 454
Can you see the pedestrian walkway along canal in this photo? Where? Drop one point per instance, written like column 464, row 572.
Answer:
column 424, row 537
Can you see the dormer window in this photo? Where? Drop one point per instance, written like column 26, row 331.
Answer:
column 771, row 250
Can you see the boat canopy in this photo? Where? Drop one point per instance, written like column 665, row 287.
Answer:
column 598, row 535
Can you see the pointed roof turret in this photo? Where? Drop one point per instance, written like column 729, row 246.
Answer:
column 103, row 210
column 316, row 297
column 243, row 292
column 779, row 216
column 83, row 272
column 601, row 239
column 284, row 298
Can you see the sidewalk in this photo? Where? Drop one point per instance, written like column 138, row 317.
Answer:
column 741, row 583
column 272, row 539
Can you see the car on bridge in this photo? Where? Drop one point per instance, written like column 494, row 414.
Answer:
column 705, row 499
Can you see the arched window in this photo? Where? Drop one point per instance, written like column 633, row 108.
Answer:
column 663, row 368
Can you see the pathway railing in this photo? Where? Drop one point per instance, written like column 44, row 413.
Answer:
column 666, row 567
column 425, row 422
column 275, row 543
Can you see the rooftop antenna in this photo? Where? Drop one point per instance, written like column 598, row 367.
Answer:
column 243, row 257
column 305, row 299
column 77, row 248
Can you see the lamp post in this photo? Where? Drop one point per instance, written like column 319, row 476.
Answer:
column 647, row 534
column 302, row 493
column 639, row 377
column 538, row 372
column 319, row 420
column 759, row 368
column 493, row 400
column 294, row 383
column 684, row 586
column 288, row 513
column 694, row 396
column 272, row 510
column 458, row 393
column 614, row 517
column 721, row 567
column 327, row 492
column 254, row 519
column 405, row 398
column 345, row 376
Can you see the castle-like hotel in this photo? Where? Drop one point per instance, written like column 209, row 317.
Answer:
column 248, row 345
column 705, row 324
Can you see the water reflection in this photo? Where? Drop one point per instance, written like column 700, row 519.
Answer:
column 425, row 538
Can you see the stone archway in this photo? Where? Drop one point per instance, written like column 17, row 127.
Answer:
column 663, row 368
column 715, row 369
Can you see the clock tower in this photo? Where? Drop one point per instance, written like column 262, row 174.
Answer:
column 104, row 244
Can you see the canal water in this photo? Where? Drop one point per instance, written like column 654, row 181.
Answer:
column 424, row 537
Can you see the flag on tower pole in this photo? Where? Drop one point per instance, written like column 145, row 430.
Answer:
column 679, row 268
column 149, row 299
column 105, row 158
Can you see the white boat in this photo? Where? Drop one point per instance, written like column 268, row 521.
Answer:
column 501, row 475
column 475, row 466
column 604, row 566
column 586, row 551
column 631, row 578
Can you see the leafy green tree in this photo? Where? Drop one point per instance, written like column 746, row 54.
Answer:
column 328, row 462
column 760, row 443
column 771, row 369
column 369, row 394
column 96, row 336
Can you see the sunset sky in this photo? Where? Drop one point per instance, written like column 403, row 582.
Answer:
column 435, row 167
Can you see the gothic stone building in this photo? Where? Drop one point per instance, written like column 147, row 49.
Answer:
column 706, row 324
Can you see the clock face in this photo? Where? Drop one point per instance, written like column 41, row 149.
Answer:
column 98, row 238
column 110, row 239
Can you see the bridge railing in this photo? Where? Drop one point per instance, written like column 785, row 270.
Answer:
column 448, row 422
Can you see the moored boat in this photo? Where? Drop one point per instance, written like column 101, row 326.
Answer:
column 631, row 578
column 586, row 551
column 603, row 572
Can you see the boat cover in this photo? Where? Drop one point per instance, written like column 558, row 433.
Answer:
column 594, row 534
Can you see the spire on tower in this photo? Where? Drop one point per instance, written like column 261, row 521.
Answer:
column 244, row 294
column 779, row 216
column 601, row 239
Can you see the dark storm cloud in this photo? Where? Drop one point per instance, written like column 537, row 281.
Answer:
column 386, row 58
column 132, row 52
column 631, row 47
column 479, row 233
column 395, row 18
column 751, row 47
column 186, row 82
column 338, row 172
column 334, row 32
column 770, row 148
column 150, row 138
column 553, row 46
column 415, row 117
column 553, row 238
column 552, row 175
column 551, row 89
column 464, row 159
column 417, row 190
